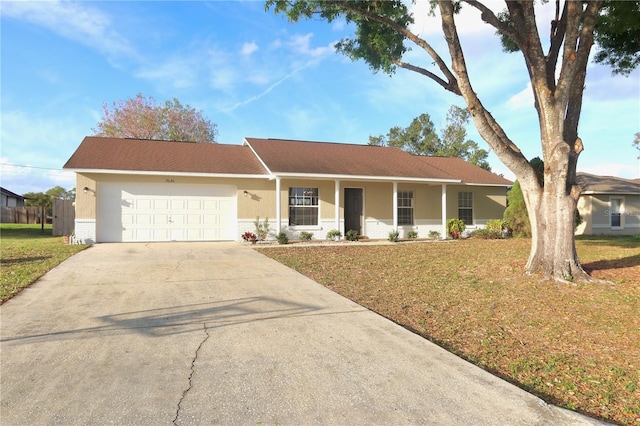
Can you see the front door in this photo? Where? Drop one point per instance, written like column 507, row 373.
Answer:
column 353, row 210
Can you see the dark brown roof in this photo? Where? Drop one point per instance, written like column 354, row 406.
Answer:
column 278, row 155
column 607, row 184
column 103, row 153
column 323, row 158
column 465, row 171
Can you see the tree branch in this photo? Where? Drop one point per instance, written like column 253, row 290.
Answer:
column 487, row 126
column 558, row 31
column 448, row 86
column 490, row 18
column 439, row 62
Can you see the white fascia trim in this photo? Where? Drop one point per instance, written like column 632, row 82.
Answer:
column 245, row 142
column 358, row 177
column 608, row 193
column 501, row 185
column 169, row 173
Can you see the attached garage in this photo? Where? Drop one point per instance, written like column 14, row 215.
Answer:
column 140, row 212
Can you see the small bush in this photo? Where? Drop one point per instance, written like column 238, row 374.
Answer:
column 434, row 235
column 334, row 234
column 494, row 229
column 282, row 238
column 412, row 235
column 250, row 237
column 455, row 227
column 393, row 236
column 352, row 235
column 306, row 236
column 262, row 229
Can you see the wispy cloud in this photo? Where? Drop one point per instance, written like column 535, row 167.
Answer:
column 248, row 49
column 76, row 21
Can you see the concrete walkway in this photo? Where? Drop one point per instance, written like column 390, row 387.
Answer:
column 216, row 333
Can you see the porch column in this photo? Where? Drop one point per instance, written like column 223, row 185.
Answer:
column 337, row 202
column 395, row 206
column 278, row 207
column 444, row 211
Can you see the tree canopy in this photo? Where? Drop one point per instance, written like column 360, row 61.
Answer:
column 45, row 198
column 142, row 118
column 421, row 138
column 557, row 72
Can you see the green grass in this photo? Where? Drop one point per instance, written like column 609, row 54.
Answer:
column 27, row 252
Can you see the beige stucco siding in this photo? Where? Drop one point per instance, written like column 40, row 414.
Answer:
column 488, row 202
column 595, row 215
column 85, row 203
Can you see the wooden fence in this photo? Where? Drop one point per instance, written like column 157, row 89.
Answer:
column 64, row 216
column 23, row 214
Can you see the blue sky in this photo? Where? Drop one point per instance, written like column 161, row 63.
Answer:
column 257, row 75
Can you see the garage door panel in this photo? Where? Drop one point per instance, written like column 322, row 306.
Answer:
column 165, row 212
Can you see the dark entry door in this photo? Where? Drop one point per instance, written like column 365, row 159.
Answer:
column 353, row 209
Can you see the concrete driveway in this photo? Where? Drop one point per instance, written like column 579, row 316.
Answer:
column 215, row 333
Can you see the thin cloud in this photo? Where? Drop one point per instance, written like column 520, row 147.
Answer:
column 248, row 49
column 75, row 21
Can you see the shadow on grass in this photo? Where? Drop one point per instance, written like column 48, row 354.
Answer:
column 20, row 260
column 625, row 262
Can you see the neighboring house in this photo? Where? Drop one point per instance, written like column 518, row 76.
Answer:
column 141, row 190
column 10, row 199
column 608, row 205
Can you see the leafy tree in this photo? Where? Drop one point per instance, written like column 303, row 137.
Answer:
column 420, row 138
column 557, row 75
column 636, row 142
column 142, row 118
column 46, row 198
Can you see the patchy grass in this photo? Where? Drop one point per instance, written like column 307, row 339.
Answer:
column 27, row 253
column 577, row 346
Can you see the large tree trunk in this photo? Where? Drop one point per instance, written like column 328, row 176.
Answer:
column 551, row 213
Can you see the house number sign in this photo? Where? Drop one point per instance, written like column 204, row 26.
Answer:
column 169, row 180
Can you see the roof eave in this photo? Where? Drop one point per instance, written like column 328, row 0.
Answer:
column 172, row 173
column 316, row 176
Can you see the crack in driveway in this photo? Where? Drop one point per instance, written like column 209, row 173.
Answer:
column 193, row 366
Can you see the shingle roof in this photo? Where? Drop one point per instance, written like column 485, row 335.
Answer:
column 101, row 153
column 465, row 171
column 323, row 158
column 607, row 184
column 281, row 157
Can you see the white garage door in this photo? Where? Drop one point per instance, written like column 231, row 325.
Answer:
column 165, row 212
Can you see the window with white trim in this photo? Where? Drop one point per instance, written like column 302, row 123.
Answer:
column 303, row 206
column 405, row 207
column 465, row 207
column 615, row 212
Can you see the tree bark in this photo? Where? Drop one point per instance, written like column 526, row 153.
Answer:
column 552, row 207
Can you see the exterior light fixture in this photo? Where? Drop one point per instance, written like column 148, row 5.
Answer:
column 246, row 193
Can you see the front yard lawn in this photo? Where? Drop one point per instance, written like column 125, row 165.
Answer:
column 27, row 252
column 577, row 346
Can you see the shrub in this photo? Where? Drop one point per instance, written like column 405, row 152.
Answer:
column 306, row 236
column 455, row 227
column 486, row 234
column 334, row 234
column 494, row 229
column 352, row 235
column 393, row 236
column 434, row 235
column 262, row 229
column 250, row 237
column 412, row 235
column 282, row 238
